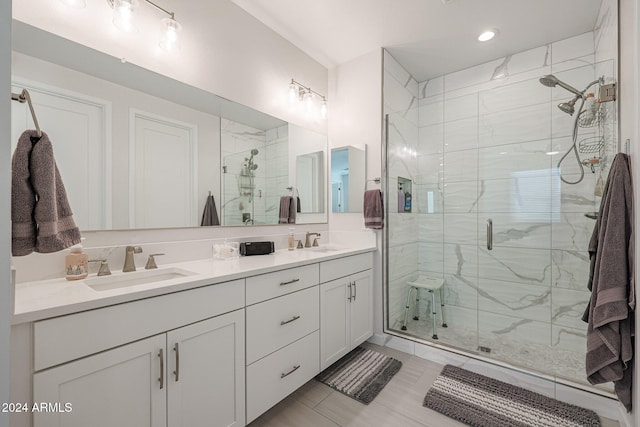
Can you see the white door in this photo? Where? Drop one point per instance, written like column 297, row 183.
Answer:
column 361, row 307
column 77, row 127
column 334, row 321
column 206, row 373
column 163, row 176
column 118, row 387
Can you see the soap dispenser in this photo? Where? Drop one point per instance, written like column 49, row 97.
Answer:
column 76, row 264
column 291, row 240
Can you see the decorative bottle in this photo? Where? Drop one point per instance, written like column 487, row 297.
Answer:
column 291, row 240
column 76, row 264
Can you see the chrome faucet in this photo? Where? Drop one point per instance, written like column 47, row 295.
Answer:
column 129, row 263
column 307, row 241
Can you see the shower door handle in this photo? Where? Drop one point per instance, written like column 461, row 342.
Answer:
column 489, row 234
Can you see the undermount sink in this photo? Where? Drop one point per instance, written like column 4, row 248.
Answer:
column 323, row 249
column 142, row 277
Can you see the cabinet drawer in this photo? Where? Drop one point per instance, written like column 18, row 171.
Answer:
column 271, row 285
column 70, row 337
column 275, row 323
column 336, row 268
column 273, row 378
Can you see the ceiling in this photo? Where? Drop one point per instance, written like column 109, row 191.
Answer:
column 428, row 37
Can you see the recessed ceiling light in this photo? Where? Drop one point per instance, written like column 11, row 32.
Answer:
column 487, row 35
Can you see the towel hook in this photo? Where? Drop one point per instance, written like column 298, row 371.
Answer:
column 25, row 97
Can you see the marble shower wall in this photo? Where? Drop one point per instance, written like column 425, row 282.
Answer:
column 277, row 172
column 401, row 105
column 489, row 139
column 271, row 176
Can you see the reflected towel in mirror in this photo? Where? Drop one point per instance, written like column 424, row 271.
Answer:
column 210, row 214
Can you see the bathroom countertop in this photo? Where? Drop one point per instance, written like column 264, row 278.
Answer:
column 43, row 299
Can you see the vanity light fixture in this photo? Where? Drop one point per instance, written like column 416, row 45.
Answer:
column 123, row 19
column 301, row 93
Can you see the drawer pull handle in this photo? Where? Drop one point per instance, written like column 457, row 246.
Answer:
column 350, row 292
column 293, row 319
column 355, row 290
column 177, row 371
column 161, row 379
column 289, row 282
column 295, row 368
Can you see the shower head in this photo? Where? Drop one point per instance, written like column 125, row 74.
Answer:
column 254, row 151
column 552, row 81
column 568, row 107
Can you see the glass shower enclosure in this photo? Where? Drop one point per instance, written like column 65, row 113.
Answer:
column 475, row 195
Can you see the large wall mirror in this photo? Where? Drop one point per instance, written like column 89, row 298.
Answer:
column 140, row 150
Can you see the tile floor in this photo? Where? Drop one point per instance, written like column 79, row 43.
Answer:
column 399, row 404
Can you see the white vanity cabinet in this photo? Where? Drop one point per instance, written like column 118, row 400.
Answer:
column 189, row 375
column 116, row 387
column 283, row 343
column 346, row 306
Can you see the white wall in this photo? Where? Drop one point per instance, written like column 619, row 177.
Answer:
column 355, row 90
column 5, row 202
column 630, row 129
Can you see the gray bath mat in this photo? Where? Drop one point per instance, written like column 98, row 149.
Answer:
column 360, row 374
column 481, row 401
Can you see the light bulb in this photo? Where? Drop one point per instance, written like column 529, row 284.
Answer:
column 123, row 15
column 323, row 108
column 293, row 92
column 308, row 100
column 169, row 38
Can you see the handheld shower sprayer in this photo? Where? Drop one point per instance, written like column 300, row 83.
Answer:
column 552, row 81
column 569, row 107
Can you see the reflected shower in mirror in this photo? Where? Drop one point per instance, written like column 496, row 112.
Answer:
column 348, row 178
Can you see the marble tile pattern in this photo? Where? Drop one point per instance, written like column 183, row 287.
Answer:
column 488, row 148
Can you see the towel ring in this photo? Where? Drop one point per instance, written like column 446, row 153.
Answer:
column 376, row 180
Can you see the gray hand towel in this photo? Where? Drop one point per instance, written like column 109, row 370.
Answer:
column 210, row 213
column 373, row 209
column 41, row 217
column 285, row 207
column 610, row 314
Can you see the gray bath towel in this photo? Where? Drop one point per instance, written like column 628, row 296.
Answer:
column 610, row 313
column 287, row 213
column 373, row 209
column 210, row 213
column 41, row 219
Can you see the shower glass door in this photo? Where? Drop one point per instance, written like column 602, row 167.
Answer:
column 493, row 213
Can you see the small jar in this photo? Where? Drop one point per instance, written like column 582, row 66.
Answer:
column 76, row 264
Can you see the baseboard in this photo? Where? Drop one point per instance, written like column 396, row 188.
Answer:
column 379, row 339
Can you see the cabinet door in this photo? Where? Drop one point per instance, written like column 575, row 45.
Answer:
column 119, row 387
column 361, row 307
column 334, row 321
column 206, row 373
